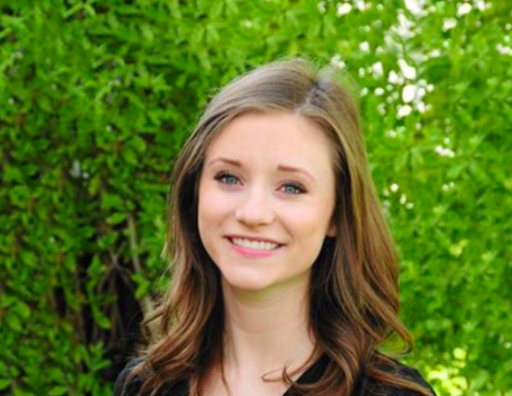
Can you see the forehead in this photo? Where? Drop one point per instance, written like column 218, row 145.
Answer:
column 273, row 136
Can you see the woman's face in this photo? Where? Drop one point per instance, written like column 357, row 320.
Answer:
column 248, row 191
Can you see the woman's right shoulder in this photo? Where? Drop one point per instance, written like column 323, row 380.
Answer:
column 123, row 387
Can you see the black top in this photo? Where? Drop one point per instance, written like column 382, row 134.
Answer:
column 365, row 386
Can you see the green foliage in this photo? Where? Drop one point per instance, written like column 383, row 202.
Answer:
column 96, row 97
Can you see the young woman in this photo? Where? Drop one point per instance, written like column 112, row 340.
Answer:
column 285, row 276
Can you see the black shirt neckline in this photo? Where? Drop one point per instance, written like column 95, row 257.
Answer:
column 312, row 373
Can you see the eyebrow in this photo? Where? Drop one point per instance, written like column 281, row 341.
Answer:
column 280, row 167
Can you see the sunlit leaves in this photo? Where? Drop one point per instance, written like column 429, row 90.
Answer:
column 97, row 97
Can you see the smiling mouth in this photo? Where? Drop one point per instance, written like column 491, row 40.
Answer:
column 254, row 245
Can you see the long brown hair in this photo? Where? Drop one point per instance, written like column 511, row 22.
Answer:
column 353, row 293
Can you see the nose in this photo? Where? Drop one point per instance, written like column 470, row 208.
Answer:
column 254, row 209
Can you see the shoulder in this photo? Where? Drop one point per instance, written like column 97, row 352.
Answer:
column 123, row 387
column 413, row 375
column 373, row 387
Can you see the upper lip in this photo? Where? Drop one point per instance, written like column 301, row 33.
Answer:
column 252, row 238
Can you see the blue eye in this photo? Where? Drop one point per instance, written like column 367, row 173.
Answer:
column 228, row 178
column 297, row 187
column 224, row 176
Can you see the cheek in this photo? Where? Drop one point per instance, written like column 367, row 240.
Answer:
column 310, row 218
column 211, row 203
column 212, row 208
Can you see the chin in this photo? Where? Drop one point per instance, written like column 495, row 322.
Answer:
column 251, row 285
column 250, row 282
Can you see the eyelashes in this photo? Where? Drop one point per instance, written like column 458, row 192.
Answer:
column 223, row 177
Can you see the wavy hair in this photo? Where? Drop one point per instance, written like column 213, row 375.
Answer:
column 353, row 293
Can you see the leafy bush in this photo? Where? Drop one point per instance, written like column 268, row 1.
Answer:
column 96, row 97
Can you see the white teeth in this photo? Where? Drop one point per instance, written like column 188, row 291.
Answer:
column 254, row 245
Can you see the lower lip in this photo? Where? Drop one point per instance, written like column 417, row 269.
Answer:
column 252, row 253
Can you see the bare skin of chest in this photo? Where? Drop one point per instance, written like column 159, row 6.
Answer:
column 247, row 389
column 250, row 386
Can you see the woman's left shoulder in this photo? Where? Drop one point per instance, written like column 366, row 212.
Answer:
column 404, row 371
column 413, row 375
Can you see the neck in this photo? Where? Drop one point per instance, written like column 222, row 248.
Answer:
column 267, row 331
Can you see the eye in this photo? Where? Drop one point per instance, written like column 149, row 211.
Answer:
column 295, row 187
column 226, row 178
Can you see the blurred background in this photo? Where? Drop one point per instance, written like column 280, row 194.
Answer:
column 97, row 97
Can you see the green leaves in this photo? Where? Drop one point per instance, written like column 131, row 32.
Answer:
column 90, row 120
